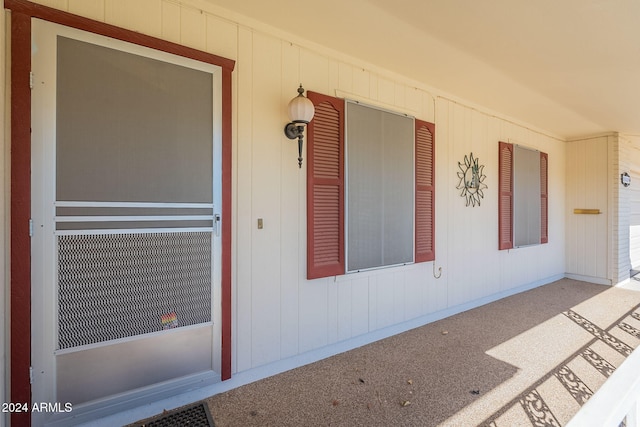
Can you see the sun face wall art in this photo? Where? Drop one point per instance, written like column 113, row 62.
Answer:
column 471, row 184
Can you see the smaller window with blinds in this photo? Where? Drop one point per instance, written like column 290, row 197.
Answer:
column 523, row 196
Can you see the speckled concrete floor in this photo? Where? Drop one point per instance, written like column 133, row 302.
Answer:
column 535, row 357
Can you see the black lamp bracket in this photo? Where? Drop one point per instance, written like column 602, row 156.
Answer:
column 295, row 130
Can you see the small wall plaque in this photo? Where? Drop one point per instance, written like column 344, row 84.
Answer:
column 586, row 211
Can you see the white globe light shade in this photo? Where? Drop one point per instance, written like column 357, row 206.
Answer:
column 301, row 109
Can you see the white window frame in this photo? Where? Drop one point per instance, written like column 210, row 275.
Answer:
column 411, row 124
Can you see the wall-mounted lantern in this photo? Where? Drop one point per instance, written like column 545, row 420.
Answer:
column 301, row 112
column 625, row 179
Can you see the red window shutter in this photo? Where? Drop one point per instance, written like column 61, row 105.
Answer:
column 425, row 191
column 544, row 199
column 505, row 198
column 325, row 188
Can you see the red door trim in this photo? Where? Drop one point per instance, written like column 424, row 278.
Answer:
column 227, row 178
column 20, row 294
column 70, row 20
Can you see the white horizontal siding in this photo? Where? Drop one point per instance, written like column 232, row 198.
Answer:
column 634, row 202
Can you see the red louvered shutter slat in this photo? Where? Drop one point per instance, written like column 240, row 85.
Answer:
column 544, row 199
column 505, row 199
column 425, row 191
column 325, row 188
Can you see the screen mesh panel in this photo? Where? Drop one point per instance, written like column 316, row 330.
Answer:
column 114, row 286
column 526, row 196
column 380, row 188
column 144, row 123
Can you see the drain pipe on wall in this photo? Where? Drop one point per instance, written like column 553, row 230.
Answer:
column 434, row 270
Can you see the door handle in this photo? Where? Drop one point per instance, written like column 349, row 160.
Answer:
column 216, row 219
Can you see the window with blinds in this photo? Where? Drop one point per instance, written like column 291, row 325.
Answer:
column 523, row 198
column 380, row 187
column 370, row 188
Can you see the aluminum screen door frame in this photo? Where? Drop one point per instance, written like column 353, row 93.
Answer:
column 53, row 218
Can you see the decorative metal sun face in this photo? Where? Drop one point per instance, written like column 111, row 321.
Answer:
column 471, row 180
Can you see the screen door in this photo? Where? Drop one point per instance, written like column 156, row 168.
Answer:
column 126, row 190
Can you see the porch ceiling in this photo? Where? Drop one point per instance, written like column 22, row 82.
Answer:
column 570, row 67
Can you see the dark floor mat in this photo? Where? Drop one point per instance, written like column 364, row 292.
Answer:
column 193, row 416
